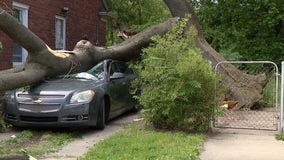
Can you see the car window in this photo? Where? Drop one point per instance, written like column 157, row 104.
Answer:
column 120, row 67
column 128, row 71
column 98, row 71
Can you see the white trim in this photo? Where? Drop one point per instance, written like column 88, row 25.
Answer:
column 24, row 8
column 64, row 31
column 282, row 97
column 25, row 21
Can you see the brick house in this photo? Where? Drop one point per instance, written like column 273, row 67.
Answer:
column 59, row 23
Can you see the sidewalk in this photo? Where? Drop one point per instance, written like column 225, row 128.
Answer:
column 226, row 144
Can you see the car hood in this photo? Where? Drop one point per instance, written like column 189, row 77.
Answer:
column 60, row 86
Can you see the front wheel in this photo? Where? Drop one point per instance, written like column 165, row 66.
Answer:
column 136, row 108
column 101, row 116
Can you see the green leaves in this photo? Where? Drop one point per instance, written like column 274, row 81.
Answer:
column 253, row 29
column 176, row 83
column 134, row 16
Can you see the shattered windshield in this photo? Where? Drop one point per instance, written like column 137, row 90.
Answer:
column 95, row 73
column 82, row 75
column 85, row 75
column 98, row 71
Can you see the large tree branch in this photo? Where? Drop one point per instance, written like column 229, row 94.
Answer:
column 20, row 34
column 38, row 51
column 51, row 62
column 32, row 74
column 131, row 48
column 13, row 70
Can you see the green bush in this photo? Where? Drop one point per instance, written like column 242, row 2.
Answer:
column 280, row 136
column 177, row 85
column 2, row 123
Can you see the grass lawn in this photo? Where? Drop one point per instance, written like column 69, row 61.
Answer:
column 136, row 142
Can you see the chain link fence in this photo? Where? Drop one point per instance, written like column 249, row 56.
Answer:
column 265, row 116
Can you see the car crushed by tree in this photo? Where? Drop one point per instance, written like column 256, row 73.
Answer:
column 84, row 99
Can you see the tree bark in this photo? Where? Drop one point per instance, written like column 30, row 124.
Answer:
column 243, row 88
column 44, row 62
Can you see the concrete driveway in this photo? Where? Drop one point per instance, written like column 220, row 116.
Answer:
column 227, row 144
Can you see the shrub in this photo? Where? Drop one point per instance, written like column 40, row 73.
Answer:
column 2, row 123
column 177, row 85
column 280, row 136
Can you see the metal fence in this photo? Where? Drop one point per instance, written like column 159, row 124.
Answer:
column 265, row 117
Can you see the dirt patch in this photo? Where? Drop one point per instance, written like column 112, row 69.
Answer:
column 248, row 119
column 6, row 134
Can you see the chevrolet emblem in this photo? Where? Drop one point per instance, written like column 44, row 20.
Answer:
column 38, row 101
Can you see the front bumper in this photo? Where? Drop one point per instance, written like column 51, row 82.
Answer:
column 35, row 116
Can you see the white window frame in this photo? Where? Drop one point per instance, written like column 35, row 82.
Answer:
column 25, row 12
column 57, row 45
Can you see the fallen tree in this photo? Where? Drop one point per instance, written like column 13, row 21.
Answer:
column 43, row 62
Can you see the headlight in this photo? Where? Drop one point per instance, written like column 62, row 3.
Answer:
column 82, row 97
column 9, row 96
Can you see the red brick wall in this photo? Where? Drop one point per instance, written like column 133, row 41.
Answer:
column 82, row 19
column 5, row 54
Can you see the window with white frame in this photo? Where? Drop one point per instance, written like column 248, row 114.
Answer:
column 60, row 32
column 20, row 12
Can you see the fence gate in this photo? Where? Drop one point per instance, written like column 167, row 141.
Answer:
column 264, row 117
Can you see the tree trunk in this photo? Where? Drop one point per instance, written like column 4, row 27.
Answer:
column 43, row 62
column 243, row 88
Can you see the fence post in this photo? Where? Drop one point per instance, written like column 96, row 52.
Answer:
column 282, row 96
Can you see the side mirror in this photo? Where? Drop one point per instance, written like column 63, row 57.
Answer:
column 116, row 75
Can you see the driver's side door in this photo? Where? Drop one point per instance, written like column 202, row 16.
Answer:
column 119, row 86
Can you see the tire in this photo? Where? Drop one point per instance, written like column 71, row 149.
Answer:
column 101, row 116
column 135, row 108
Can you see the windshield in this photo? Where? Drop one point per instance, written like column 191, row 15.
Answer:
column 85, row 75
column 95, row 73
column 98, row 71
column 82, row 75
